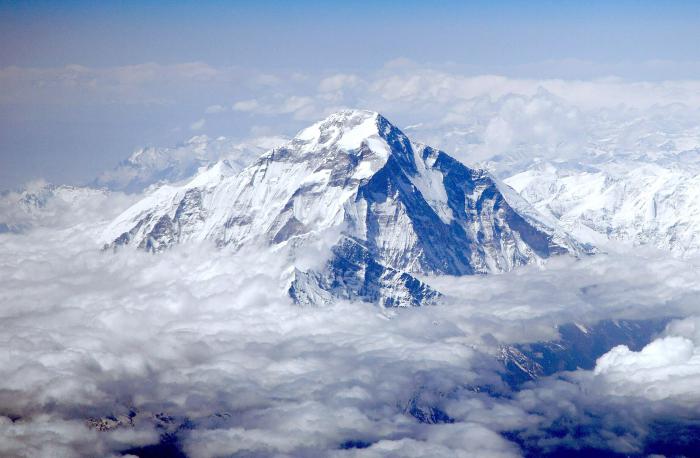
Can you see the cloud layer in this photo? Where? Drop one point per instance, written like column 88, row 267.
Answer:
column 207, row 339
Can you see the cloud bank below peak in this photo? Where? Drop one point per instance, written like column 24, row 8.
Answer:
column 207, row 338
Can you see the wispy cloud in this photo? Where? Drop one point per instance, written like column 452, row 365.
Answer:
column 198, row 125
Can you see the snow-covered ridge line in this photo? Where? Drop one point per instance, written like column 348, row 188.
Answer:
column 160, row 165
column 644, row 203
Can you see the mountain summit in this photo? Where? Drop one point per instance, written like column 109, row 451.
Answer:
column 389, row 207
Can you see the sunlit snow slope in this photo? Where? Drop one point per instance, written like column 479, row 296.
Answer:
column 645, row 203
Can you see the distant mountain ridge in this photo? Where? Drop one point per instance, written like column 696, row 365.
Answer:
column 158, row 165
column 40, row 203
column 644, row 203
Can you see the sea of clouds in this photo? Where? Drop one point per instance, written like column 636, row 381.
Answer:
column 204, row 344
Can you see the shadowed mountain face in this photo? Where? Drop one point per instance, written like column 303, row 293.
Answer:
column 578, row 348
column 385, row 207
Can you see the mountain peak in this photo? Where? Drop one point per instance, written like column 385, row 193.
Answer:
column 357, row 140
column 349, row 119
column 387, row 208
column 346, row 129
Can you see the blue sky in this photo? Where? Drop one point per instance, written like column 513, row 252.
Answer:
column 357, row 34
column 53, row 127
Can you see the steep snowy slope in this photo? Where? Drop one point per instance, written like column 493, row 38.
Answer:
column 386, row 207
column 645, row 203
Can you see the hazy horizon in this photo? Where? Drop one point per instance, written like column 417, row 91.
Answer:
column 84, row 85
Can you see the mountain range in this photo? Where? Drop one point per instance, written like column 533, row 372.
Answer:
column 158, row 165
column 43, row 203
column 324, row 175
column 632, row 179
column 645, row 203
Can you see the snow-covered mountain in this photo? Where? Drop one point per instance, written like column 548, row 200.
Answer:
column 381, row 208
column 157, row 165
column 44, row 203
column 642, row 202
